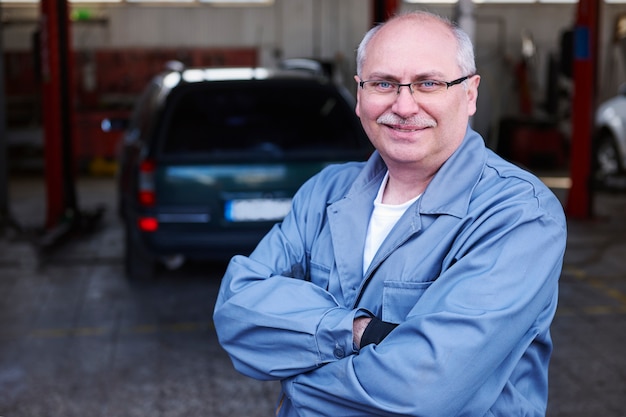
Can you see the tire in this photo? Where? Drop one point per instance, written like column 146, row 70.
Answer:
column 139, row 265
column 607, row 164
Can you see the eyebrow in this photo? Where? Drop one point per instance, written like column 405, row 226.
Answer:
column 431, row 75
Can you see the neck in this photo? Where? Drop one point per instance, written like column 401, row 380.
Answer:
column 401, row 189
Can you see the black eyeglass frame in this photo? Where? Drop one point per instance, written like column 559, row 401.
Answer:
column 400, row 85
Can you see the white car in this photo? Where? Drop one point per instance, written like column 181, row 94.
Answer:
column 609, row 142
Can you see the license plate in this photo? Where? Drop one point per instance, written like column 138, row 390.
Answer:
column 257, row 209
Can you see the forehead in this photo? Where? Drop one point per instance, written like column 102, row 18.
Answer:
column 412, row 46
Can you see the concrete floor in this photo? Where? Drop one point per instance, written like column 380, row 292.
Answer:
column 77, row 339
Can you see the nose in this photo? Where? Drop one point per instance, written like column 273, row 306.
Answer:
column 405, row 102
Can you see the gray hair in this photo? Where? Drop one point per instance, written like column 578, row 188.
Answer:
column 465, row 49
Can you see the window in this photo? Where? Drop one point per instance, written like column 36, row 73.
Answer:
column 271, row 118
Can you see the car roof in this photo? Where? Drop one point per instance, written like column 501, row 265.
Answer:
column 172, row 78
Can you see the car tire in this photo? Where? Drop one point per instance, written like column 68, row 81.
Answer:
column 606, row 161
column 139, row 265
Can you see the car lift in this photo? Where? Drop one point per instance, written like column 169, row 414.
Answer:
column 63, row 217
column 579, row 201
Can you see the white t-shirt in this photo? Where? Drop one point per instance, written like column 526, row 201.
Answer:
column 383, row 219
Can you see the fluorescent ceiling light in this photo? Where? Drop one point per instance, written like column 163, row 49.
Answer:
column 503, row 1
column 238, row 2
column 157, row 1
column 431, row 1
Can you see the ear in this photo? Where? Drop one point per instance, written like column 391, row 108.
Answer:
column 358, row 95
column 472, row 94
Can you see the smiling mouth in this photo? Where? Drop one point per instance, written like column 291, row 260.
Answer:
column 412, row 124
column 405, row 128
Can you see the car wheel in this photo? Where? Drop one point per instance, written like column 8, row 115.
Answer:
column 607, row 163
column 139, row 265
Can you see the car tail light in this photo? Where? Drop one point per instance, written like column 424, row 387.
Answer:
column 147, row 196
column 148, row 224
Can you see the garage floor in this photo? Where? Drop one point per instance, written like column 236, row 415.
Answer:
column 76, row 339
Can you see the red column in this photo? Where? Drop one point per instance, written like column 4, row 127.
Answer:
column 585, row 58
column 56, row 60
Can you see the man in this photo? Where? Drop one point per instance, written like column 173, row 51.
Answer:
column 420, row 283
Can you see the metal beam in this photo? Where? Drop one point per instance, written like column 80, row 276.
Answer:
column 57, row 96
column 63, row 216
column 579, row 200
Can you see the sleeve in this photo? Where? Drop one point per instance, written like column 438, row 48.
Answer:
column 477, row 340
column 376, row 331
column 273, row 321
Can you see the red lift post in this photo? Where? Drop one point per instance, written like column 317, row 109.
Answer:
column 63, row 216
column 579, row 201
column 56, row 80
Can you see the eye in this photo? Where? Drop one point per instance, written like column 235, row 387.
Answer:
column 383, row 85
column 429, row 85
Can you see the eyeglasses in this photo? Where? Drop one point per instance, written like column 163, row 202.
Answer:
column 384, row 87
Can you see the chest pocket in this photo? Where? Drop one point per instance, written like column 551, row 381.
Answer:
column 399, row 297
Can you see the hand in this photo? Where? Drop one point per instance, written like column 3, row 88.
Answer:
column 358, row 327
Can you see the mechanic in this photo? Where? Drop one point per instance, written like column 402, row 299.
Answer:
column 422, row 282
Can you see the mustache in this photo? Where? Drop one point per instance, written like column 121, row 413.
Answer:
column 413, row 121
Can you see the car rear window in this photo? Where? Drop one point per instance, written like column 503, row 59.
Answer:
column 268, row 117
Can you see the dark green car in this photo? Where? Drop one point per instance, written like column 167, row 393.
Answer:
column 212, row 157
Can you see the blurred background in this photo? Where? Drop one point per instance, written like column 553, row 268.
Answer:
column 80, row 335
column 524, row 52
